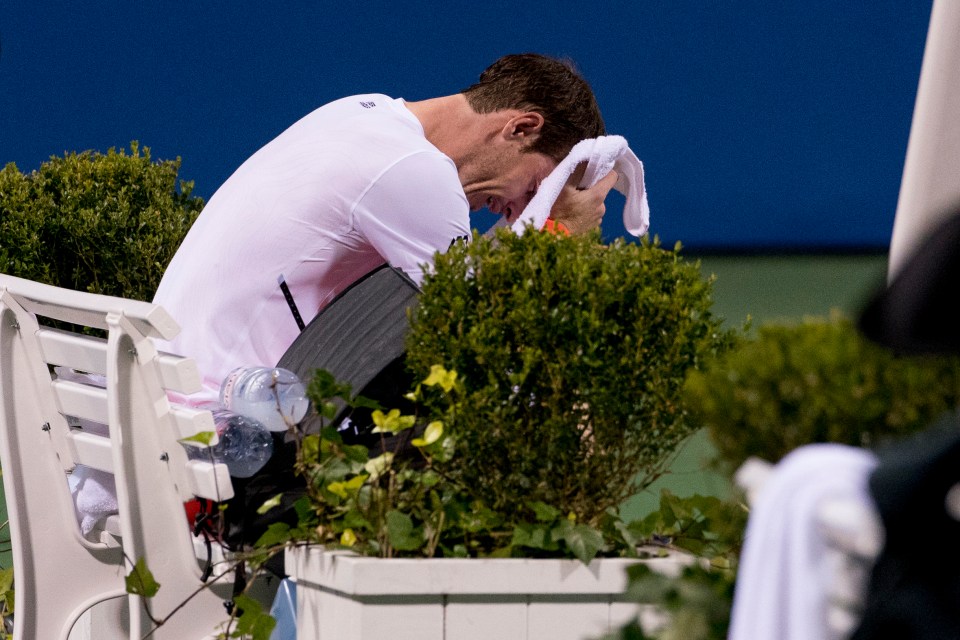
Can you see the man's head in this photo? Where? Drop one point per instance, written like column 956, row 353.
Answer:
column 534, row 83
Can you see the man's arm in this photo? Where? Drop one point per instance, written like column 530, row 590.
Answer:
column 581, row 210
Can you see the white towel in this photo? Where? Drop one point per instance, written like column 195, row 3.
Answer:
column 601, row 155
column 785, row 571
column 94, row 495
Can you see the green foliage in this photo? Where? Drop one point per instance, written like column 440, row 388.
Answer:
column 92, row 222
column 140, row 580
column 253, row 622
column 817, row 381
column 705, row 526
column 388, row 505
column 393, row 505
column 571, row 356
column 6, row 602
column 699, row 600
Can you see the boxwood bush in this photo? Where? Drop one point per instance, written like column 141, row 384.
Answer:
column 572, row 356
column 817, row 381
column 104, row 223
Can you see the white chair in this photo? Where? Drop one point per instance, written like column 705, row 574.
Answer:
column 59, row 573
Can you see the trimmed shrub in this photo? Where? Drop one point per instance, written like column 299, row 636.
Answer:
column 817, row 381
column 101, row 223
column 572, row 357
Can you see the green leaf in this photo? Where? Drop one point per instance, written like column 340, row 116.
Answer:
column 345, row 488
column 584, row 541
column 430, row 435
column 544, row 512
column 391, row 422
column 348, row 538
column 362, row 402
column 356, row 452
column 203, row 437
column 6, row 579
column 310, row 449
column 304, row 510
column 377, row 466
column 401, row 533
column 252, row 622
column 270, row 504
column 327, row 410
column 323, row 386
column 440, row 376
column 276, row 534
column 534, row 536
column 140, row 580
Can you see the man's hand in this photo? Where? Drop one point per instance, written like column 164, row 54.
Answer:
column 581, row 210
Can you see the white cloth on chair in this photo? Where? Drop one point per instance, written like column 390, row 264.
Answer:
column 94, row 496
column 601, row 155
column 784, row 573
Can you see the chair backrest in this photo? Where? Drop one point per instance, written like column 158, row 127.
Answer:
column 59, row 573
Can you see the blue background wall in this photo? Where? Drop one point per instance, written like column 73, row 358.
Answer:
column 761, row 124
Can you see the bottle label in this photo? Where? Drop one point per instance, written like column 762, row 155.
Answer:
column 226, row 391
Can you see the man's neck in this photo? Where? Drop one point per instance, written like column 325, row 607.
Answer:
column 453, row 127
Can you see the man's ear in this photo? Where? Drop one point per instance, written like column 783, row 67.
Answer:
column 524, row 127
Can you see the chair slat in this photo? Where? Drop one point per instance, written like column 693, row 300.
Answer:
column 81, row 400
column 91, row 450
column 80, row 352
column 89, row 354
column 89, row 309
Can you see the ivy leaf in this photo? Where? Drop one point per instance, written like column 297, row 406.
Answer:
column 356, row 452
column 270, row 504
column 348, row 538
column 440, row 376
column 430, row 435
column 534, row 536
column 140, row 581
column 305, row 512
column 363, row 402
column 323, row 386
column 401, row 533
column 276, row 533
column 391, row 422
column 252, row 622
column 584, row 541
column 376, row 466
column 327, row 410
column 345, row 488
column 6, row 579
column 203, row 437
column 310, row 449
column 544, row 512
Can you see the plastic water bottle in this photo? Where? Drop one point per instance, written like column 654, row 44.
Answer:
column 275, row 397
column 244, row 444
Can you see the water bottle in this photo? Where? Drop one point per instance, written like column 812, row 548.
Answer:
column 244, row 444
column 274, row 397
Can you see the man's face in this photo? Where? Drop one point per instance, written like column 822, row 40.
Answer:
column 503, row 179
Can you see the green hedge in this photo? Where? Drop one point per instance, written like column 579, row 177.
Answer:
column 817, row 381
column 572, row 356
column 102, row 223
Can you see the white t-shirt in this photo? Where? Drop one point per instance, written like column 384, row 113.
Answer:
column 349, row 186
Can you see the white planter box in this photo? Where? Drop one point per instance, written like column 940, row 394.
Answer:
column 342, row 596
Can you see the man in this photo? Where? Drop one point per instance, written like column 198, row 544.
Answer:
column 366, row 180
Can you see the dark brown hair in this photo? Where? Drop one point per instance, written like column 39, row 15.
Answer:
column 552, row 88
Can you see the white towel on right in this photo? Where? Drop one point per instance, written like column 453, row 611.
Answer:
column 601, row 155
column 786, row 573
